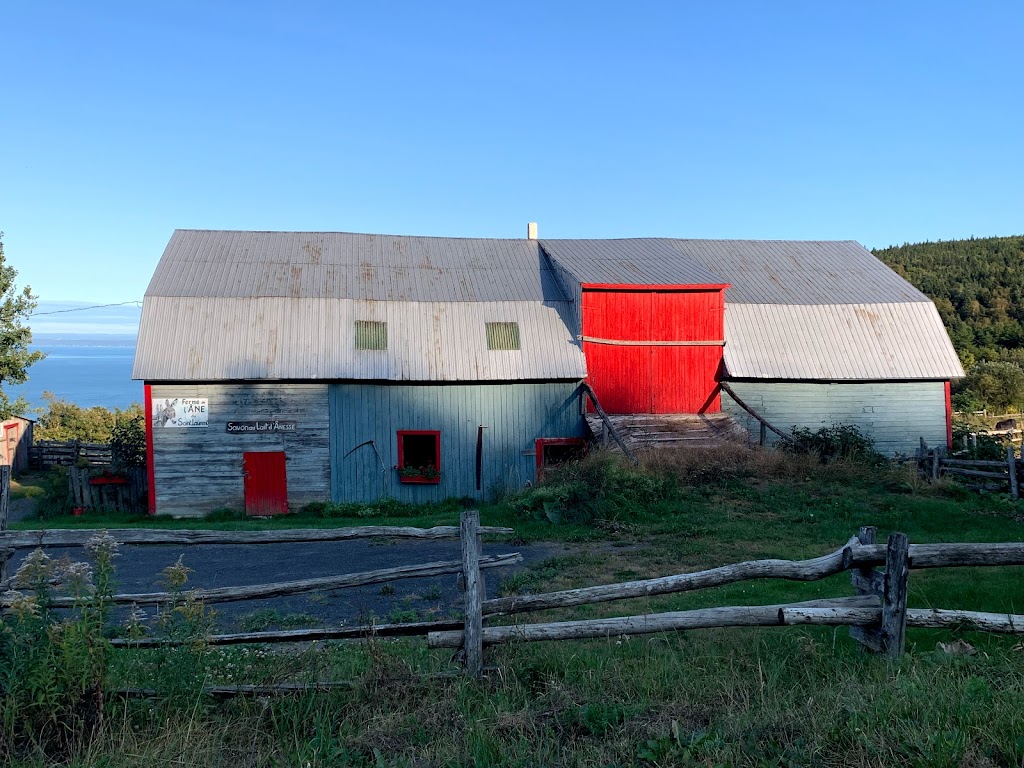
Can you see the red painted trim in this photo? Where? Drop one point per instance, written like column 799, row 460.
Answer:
column 542, row 441
column 401, row 455
column 654, row 287
column 949, row 417
column 147, row 390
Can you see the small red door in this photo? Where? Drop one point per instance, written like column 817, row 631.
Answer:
column 266, row 483
column 11, row 443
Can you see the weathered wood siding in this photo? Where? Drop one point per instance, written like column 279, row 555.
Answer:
column 894, row 414
column 514, row 416
column 199, row 469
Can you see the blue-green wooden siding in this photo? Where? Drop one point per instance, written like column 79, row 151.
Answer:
column 894, row 414
column 514, row 415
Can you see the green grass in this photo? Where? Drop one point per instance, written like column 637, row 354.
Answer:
column 27, row 486
column 734, row 697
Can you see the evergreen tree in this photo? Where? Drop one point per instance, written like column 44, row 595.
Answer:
column 15, row 336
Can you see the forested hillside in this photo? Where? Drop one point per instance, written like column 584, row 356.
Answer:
column 978, row 287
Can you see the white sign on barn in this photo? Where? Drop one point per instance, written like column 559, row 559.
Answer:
column 181, row 412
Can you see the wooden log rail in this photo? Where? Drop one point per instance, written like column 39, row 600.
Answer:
column 62, row 537
column 852, row 555
column 838, row 614
column 934, row 463
column 284, row 588
column 309, row 635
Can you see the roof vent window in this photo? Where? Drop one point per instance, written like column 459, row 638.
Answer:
column 503, row 336
column 371, row 334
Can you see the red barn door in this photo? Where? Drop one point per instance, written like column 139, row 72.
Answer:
column 266, row 483
column 654, row 351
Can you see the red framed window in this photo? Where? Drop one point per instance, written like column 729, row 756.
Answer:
column 553, row 451
column 419, row 456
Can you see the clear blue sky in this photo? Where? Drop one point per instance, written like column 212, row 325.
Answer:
column 876, row 121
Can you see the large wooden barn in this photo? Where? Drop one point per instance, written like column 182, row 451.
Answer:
column 287, row 367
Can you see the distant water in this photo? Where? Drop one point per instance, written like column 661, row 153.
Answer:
column 84, row 371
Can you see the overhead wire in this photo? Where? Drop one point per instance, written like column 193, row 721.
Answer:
column 82, row 309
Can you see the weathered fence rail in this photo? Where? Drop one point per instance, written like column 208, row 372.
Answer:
column 934, row 463
column 470, row 569
column 52, row 453
column 877, row 616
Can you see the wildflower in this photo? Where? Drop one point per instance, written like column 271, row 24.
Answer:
column 135, row 626
column 20, row 605
column 75, row 576
column 102, row 546
column 175, row 576
column 35, row 570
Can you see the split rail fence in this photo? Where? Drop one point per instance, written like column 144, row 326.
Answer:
column 54, row 453
column 877, row 614
column 978, row 474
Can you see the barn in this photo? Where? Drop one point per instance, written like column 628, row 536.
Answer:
column 282, row 368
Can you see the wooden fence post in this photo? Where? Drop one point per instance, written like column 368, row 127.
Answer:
column 867, row 581
column 1011, row 464
column 474, row 604
column 764, row 434
column 935, row 464
column 894, row 597
column 5, row 508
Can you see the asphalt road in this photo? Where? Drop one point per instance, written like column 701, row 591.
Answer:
column 423, row 599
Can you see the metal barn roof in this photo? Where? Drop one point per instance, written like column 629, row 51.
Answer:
column 636, row 261
column 282, row 306
column 799, row 271
column 838, row 342
column 343, row 265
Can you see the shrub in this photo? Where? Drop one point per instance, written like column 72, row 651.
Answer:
column 61, row 420
column 128, row 442
column 601, row 486
column 840, row 442
column 997, row 384
column 56, row 498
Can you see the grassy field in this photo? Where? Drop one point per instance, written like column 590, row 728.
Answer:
column 773, row 697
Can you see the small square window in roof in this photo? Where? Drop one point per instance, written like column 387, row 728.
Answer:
column 371, row 334
column 503, row 336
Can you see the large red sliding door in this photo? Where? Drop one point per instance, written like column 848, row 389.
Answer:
column 654, row 351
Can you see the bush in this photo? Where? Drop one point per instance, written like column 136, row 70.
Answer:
column 600, row 487
column 56, row 499
column 128, row 442
column 840, row 442
column 61, row 420
column 997, row 384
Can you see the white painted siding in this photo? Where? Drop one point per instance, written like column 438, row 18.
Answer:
column 199, row 469
column 895, row 415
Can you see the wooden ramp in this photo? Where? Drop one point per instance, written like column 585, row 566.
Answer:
column 646, row 431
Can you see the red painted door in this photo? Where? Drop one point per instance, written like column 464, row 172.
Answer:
column 619, row 373
column 266, row 483
column 11, row 443
column 631, row 372
column 684, row 379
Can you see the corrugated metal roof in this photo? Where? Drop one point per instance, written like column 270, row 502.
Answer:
column 282, row 305
column 275, row 338
column 757, row 271
column 838, row 342
column 799, row 272
column 342, row 265
column 637, row 261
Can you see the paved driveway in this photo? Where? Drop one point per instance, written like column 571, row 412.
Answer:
column 423, row 599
